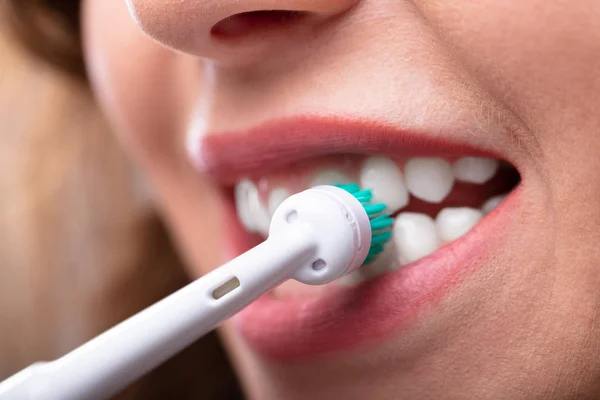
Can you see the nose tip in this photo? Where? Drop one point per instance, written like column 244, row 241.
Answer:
column 220, row 29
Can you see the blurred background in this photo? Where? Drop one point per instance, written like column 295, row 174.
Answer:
column 80, row 245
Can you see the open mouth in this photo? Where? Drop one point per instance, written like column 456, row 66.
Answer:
column 443, row 197
column 434, row 200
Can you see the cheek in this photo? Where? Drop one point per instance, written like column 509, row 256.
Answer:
column 147, row 92
column 149, row 95
column 541, row 57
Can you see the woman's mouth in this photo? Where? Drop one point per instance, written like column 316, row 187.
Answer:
column 447, row 200
column 434, row 200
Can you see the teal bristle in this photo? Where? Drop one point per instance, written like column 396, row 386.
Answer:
column 364, row 196
column 350, row 187
column 381, row 238
column 381, row 224
column 374, row 209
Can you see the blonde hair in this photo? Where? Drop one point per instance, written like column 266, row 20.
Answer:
column 81, row 246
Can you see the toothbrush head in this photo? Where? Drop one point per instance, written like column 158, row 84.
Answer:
column 381, row 223
column 341, row 226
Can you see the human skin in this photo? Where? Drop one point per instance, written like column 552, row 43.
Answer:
column 519, row 77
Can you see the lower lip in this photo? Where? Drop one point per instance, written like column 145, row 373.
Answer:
column 347, row 318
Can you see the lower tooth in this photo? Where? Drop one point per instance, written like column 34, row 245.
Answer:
column 453, row 223
column 492, row 203
column 415, row 236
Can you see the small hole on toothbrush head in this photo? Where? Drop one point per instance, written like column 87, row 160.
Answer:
column 319, row 265
column 291, row 217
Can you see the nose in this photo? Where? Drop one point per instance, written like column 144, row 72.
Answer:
column 233, row 29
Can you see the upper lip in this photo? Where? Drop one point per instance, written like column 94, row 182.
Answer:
column 228, row 157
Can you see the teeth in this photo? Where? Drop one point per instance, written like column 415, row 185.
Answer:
column 384, row 178
column 277, row 196
column 415, row 236
column 492, row 203
column 259, row 215
column 475, row 169
column 452, row 223
column 429, row 179
column 242, row 193
column 329, row 177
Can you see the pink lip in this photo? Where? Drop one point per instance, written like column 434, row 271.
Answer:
column 228, row 157
column 343, row 318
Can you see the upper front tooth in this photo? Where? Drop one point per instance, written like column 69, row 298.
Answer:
column 429, row 179
column 329, row 177
column 415, row 236
column 277, row 196
column 242, row 193
column 475, row 169
column 452, row 223
column 383, row 177
column 492, row 203
column 259, row 213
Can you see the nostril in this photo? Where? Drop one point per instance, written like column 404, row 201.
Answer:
column 253, row 22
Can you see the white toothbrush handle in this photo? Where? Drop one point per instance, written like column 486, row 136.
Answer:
column 315, row 237
column 107, row 364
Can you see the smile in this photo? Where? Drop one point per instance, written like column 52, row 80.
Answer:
column 448, row 201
